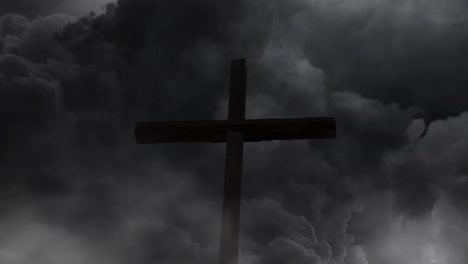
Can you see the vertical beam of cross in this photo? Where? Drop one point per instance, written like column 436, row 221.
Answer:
column 229, row 243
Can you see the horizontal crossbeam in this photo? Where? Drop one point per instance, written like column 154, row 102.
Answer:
column 253, row 130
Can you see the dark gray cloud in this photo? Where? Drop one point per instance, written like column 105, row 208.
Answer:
column 28, row 7
column 34, row 8
column 72, row 88
column 411, row 52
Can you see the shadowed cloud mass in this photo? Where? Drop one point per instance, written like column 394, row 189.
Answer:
column 76, row 188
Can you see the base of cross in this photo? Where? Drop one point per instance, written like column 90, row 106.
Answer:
column 234, row 131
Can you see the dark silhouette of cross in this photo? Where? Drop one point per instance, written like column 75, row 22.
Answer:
column 234, row 131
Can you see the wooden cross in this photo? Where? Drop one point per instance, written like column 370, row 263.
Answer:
column 234, row 131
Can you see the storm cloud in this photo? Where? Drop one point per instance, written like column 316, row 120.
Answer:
column 75, row 187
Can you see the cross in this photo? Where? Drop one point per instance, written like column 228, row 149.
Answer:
column 234, row 131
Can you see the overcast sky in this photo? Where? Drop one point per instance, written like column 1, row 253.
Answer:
column 390, row 189
column 32, row 8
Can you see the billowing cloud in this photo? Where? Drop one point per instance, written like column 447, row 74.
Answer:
column 34, row 8
column 79, row 189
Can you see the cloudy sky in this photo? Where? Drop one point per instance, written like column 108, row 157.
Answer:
column 390, row 189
